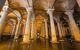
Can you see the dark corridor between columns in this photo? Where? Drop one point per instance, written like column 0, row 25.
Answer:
column 38, row 44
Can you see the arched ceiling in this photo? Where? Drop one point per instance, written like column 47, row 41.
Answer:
column 43, row 4
column 40, row 7
column 63, row 5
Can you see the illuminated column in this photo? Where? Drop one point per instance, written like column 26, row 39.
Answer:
column 4, row 13
column 35, row 31
column 13, row 29
column 17, row 30
column 59, row 28
column 23, row 30
column 46, row 29
column 73, row 25
column 43, row 31
column 13, row 26
column 33, row 28
column 53, row 31
column 17, row 13
column 26, row 37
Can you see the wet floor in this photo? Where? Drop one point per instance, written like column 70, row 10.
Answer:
column 39, row 44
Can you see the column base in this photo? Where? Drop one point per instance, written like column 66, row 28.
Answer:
column 26, row 39
column 15, row 38
column 46, row 37
column 54, row 42
column 24, row 43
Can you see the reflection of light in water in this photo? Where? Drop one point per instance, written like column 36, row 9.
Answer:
column 38, row 35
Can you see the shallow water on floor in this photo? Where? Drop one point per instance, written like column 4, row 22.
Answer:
column 39, row 44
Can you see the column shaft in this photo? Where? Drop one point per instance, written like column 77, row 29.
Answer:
column 53, row 31
column 13, row 29
column 26, row 37
column 73, row 26
column 33, row 28
column 59, row 29
column 17, row 30
column 42, row 35
column 46, row 29
column 3, row 16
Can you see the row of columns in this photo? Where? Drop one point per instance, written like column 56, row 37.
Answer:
column 13, row 27
column 3, row 19
column 16, row 35
column 73, row 26
column 53, row 31
column 26, row 37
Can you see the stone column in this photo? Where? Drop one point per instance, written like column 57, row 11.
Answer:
column 13, row 29
column 23, row 29
column 26, row 37
column 33, row 27
column 59, row 28
column 73, row 25
column 62, row 30
column 3, row 17
column 35, row 31
column 17, row 13
column 46, row 28
column 17, row 30
column 53, row 31
column 43, row 31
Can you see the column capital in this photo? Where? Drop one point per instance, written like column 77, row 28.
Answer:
column 5, row 7
column 29, row 9
column 17, row 13
column 45, row 19
column 19, row 19
column 69, row 12
column 50, row 10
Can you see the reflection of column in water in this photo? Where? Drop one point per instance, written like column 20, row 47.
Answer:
column 31, row 47
column 38, row 35
column 27, row 47
column 77, row 46
column 14, row 45
column 47, row 45
column 55, row 47
column 62, row 46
